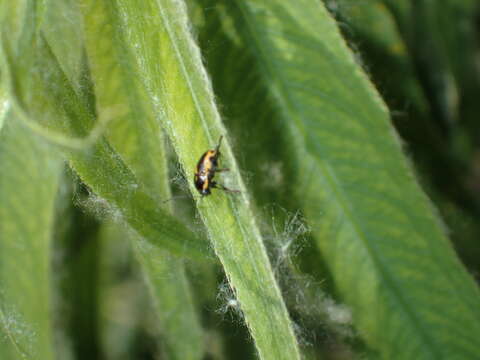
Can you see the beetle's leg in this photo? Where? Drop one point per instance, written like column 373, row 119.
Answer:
column 222, row 170
column 221, row 187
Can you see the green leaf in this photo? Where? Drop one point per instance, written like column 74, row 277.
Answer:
column 67, row 112
column 28, row 185
column 137, row 137
column 378, row 233
column 169, row 66
column 371, row 26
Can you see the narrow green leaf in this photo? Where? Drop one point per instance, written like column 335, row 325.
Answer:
column 378, row 233
column 168, row 64
column 171, row 295
column 28, row 185
column 135, row 133
column 137, row 137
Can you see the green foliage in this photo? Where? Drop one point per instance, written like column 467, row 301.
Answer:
column 330, row 248
column 30, row 171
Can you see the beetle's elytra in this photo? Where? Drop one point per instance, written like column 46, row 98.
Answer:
column 207, row 166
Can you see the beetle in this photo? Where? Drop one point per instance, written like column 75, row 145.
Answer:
column 206, row 169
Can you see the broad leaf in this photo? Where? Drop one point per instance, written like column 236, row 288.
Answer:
column 378, row 233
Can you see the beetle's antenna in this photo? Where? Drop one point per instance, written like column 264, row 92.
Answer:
column 219, row 143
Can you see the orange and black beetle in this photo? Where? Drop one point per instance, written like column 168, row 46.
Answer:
column 207, row 166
